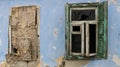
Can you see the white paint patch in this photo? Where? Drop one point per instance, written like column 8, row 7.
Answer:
column 118, row 8
column 0, row 42
column 41, row 56
column 115, row 2
column 89, row 1
column 97, row 0
column 54, row 47
column 55, row 32
column 116, row 59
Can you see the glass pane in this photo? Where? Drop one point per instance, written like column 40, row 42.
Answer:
column 76, row 43
column 83, row 15
column 76, row 28
column 92, row 38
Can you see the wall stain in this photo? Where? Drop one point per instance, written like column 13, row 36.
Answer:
column 116, row 59
column 55, row 32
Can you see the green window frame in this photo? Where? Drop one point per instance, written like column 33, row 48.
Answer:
column 102, row 29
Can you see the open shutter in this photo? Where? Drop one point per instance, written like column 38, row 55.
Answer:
column 102, row 30
column 67, row 29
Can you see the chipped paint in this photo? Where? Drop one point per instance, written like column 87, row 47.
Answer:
column 60, row 61
column 116, row 59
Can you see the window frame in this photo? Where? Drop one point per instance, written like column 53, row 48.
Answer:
column 81, row 24
column 102, row 25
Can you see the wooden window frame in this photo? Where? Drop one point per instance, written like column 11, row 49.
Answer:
column 101, row 10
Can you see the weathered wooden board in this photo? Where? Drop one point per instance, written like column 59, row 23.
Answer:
column 23, row 33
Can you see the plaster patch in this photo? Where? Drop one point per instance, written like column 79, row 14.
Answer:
column 55, row 32
column 116, row 59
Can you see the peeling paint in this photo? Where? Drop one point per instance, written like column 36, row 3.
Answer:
column 116, row 59
column 76, row 63
column 60, row 60
column 4, row 64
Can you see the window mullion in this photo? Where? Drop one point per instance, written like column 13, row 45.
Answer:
column 82, row 43
column 87, row 39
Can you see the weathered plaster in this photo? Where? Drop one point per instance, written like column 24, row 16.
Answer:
column 76, row 63
column 60, row 61
column 51, row 13
column 116, row 60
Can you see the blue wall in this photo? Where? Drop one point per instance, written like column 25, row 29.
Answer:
column 52, row 24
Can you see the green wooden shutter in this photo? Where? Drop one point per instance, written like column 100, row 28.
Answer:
column 102, row 30
column 67, row 29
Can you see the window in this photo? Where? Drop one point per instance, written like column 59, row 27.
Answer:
column 83, row 42
column 23, row 34
column 86, row 26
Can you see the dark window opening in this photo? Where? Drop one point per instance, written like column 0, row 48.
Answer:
column 80, row 15
column 92, row 38
column 85, row 37
column 15, row 50
column 76, row 28
column 76, row 43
